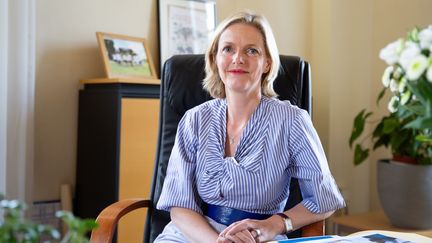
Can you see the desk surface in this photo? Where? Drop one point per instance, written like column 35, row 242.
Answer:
column 373, row 221
column 401, row 235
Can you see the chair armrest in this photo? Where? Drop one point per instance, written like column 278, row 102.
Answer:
column 314, row 229
column 109, row 217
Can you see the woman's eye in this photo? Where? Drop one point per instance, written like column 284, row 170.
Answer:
column 227, row 49
column 252, row 51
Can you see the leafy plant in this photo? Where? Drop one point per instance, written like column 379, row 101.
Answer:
column 14, row 228
column 407, row 129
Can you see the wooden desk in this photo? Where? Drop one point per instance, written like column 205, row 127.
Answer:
column 344, row 225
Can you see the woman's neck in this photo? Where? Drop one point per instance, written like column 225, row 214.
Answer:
column 240, row 109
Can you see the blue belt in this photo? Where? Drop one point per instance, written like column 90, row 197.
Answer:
column 227, row 216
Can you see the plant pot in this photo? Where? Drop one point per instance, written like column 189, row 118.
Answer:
column 405, row 192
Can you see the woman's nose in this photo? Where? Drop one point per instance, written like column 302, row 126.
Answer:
column 238, row 58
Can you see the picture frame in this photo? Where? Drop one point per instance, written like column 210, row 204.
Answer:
column 125, row 56
column 185, row 26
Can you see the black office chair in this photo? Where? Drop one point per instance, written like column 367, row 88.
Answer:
column 181, row 89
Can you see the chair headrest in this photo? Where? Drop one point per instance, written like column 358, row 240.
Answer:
column 183, row 75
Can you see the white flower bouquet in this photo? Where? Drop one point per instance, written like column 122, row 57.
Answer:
column 407, row 130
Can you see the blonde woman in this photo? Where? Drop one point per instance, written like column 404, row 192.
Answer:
column 230, row 168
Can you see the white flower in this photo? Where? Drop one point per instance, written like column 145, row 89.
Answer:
column 390, row 53
column 13, row 204
column 410, row 51
column 402, row 85
column 386, row 76
column 397, row 73
column 394, row 86
column 429, row 74
column 4, row 203
column 405, row 97
column 416, row 67
column 393, row 104
column 425, row 37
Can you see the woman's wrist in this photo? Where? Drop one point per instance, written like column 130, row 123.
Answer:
column 278, row 224
column 287, row 222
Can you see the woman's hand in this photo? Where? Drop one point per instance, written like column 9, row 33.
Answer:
column 258, row 230
column 244, row 236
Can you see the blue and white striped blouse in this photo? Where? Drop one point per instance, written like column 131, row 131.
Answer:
column 279, row 142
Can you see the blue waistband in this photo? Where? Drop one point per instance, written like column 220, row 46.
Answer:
column 227, row 216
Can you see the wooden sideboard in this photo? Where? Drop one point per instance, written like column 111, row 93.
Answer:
column 117, row 137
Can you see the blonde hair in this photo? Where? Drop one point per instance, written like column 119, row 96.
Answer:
column 213, row 83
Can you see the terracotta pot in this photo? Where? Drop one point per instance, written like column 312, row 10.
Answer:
column 405, row 192
column 404, row 159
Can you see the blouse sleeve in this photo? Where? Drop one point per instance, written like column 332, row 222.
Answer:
column 179, row 188
column 309, row 164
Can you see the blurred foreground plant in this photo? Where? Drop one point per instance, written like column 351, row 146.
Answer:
column 14, row 228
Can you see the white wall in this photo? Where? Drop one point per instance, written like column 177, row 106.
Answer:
column 3, row 93
column 67, row 51
column 340, row 38
column 290, row 20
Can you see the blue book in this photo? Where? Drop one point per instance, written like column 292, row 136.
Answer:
column 305, row 239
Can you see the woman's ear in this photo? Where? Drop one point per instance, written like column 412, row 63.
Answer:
column 267, row 65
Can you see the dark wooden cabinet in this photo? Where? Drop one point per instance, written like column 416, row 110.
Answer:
column 117, row 137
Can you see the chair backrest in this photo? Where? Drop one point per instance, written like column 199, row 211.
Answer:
column 181, row 89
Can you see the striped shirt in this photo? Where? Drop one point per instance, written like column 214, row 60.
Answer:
column 278, row 142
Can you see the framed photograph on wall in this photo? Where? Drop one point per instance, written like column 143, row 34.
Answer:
column 125, row 56
column 185, row 26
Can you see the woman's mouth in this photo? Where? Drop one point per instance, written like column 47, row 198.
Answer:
column 237, row 71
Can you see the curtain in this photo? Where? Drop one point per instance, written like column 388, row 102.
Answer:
column 3, row 93
column 17, row 97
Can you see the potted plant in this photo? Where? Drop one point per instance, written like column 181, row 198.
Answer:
column 405, row 181
column 15, row 228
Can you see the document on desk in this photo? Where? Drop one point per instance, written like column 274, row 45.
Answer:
column 366, row 238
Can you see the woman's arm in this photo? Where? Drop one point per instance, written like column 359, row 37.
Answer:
column 301, row 216
column 193, row 225
column 273, row 226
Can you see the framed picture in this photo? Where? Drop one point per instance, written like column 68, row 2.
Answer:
column 185, row 26
column 125, row 56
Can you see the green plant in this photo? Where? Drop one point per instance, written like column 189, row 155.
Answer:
column 407, row 129
column 14, row 228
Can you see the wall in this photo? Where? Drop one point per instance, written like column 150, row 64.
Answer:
column 66, row 52
column 289, row 19
column 341, row 39
column 335, row 81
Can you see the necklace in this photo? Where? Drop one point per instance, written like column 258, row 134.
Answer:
column 232, row 139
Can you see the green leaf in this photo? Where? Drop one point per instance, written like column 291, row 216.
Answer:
column 398, row 139
column 378, row 131
column 382, row 141
column 413, row 35
column 422, row 89
column 390, row 124
column 420, row 123
column 358, row 127
column 415, row 108
column 381, row 94
column 425, row 88
column 360, row 154
column 424, row 138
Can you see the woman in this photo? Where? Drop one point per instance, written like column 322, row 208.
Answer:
column 233, row 158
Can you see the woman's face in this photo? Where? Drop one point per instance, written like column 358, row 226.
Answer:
column 241, row 59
